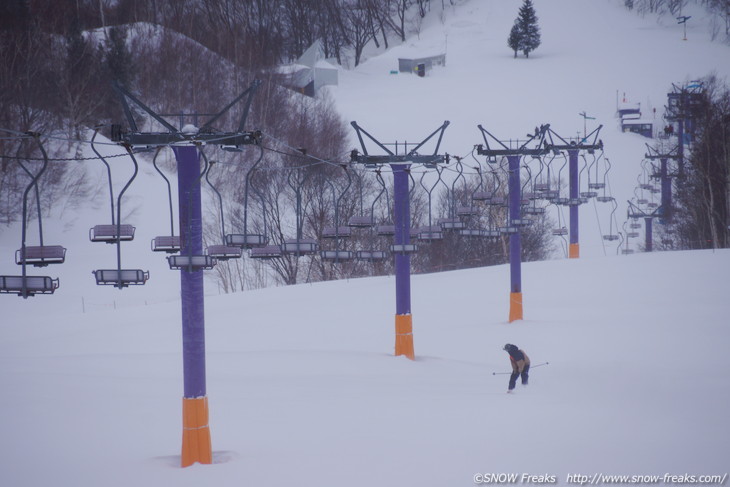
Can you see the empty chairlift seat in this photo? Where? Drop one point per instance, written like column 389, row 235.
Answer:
column 108, row 233
column 360, row 221
column 482, row 196
column 224, row 252
column 121, row 278
column 300, row 247
column 336, row 255
column 26, row 286
column 246, row 240
column 169, row 244
column 430, row 233
column 41, row 256
column 191, row 263
column 266, row 252
column 467, row 210
column 403, row 248
column 371, row 255
column 336, row 232
column 451, row 224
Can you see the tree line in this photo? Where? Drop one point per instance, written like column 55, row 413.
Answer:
column 702, row 215
column 57, row 64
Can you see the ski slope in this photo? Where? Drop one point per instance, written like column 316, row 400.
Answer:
column 303, row 387
column 302, row 383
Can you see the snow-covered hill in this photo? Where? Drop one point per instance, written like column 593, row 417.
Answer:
column 302, row 384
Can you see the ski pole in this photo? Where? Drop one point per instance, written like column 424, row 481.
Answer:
column 531, row 367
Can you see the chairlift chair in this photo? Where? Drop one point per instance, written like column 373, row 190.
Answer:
column 27, row 286
column 121, row 277
column 520, row 222
column 220, row 252
column 191, row 263
column 508, row 230
column 336, row 255
column 385, row 230
column 451, row 223
column 497, row 200
column 371, row 255
column 403, row 248
column 430, row 233
column 40, row 255
column 467, row 211
column 533, row 210
column 266, row 252
column 111, row 234
column 337, row 232
column 224, row 252
column 482, row 196
column 246, row 240
column 297, row 247
column 361, row 221
column 169, row 243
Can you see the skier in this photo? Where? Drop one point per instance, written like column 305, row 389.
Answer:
column 520, row 365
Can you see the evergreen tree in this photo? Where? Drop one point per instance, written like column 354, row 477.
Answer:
column 513, row 41
column 118, row 59
column 528, row 28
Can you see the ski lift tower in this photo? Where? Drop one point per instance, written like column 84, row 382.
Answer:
column 573, row 147
column 533, row 146
column 636, row 213
column 665, row 178
column 186, row 143
column 684, row 105
column 402, row 248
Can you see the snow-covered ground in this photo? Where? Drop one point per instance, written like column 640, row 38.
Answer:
column 302, row 383
column 303, row 387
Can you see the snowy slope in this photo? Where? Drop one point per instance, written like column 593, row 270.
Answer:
column 302, row 383
column 303, row 387
column 592, row 52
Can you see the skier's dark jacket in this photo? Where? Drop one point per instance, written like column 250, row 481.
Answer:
column 518, row 359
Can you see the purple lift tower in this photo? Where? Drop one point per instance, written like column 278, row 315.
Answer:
column 557, row 144
column 533, row 146
column 665, row 178
column 186, row 143
column 402, row 249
